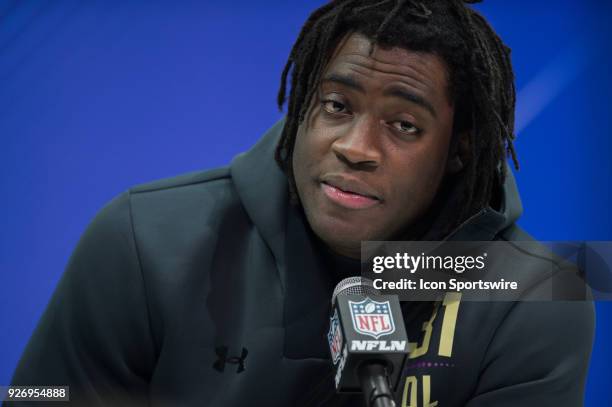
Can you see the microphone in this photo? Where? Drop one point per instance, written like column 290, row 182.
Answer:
column 367, row 341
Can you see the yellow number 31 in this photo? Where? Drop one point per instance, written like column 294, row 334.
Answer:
column 447, row 334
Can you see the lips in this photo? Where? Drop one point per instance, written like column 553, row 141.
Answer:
column 349, row 192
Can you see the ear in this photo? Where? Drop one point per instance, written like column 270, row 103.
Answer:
column 459, row 152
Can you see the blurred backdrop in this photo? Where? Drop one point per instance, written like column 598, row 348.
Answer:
column 97, row 96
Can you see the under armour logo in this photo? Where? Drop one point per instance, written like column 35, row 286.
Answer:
column 221, row 352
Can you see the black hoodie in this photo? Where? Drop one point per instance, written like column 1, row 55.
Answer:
column 209, row 289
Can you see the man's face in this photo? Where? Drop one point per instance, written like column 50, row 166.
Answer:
column 372, row 152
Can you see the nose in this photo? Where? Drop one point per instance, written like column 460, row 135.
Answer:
column 359, row 145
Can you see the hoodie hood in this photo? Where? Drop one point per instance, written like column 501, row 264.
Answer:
column 263, row 189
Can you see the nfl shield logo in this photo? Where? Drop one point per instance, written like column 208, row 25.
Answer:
column 334, row 337
column 372, row 318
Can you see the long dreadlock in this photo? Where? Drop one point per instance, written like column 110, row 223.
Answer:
column 481, row 80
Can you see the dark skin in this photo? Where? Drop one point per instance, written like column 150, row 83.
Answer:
column 374, row 148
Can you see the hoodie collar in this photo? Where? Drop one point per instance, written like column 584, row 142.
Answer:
column 486, row 224
column 263, row 190
column 307, row 287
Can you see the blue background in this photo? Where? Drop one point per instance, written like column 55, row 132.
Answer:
column 96, row 96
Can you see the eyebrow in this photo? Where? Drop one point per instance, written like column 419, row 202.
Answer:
column 395, row 91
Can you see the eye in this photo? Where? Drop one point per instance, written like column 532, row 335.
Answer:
column 406, row 127
column 332, row 106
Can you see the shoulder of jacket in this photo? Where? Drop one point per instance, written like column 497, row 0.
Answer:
column 515, row 233
column 526, row 246
column 539, row 266
column 185, row 204
column 183, row 180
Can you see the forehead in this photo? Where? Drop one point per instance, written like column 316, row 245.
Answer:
column 423, row 72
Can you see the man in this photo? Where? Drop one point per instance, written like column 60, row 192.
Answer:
column 214, row 288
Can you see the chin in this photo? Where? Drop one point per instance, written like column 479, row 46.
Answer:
column 339, row 234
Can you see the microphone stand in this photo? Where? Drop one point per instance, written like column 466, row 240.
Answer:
column 375, row 384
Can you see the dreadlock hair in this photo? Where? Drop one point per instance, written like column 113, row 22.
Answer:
column 480, row 80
